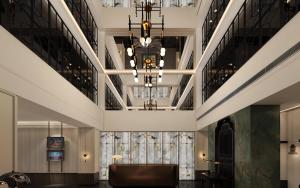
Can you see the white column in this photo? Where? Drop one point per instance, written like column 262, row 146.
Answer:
column 7, row 126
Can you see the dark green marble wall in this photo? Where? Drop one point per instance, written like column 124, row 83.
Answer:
column 211, row 145
column 257, row 148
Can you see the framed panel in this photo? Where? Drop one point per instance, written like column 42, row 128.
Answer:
column 186, row 156
column 138, row 148
column 106, row 148
column 154, row 148
column 170, row 147
column 122, row 146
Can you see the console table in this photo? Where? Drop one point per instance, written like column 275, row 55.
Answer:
column 150, row 175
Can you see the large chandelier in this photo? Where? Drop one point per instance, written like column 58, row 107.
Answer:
column 145, row 39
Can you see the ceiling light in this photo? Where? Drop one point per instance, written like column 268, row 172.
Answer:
column 143, row 41
column 132, row 63
column 134, row 72
column 148, row 40
column 162, row 52
column 159, row 79
column 160, row 72
column 161, row 63
column 129, row 52
column 136, row 79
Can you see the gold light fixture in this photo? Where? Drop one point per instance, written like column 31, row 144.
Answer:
column 145, row 8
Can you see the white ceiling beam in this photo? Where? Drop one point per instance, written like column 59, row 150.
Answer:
column 143, row 71
column 159, row 108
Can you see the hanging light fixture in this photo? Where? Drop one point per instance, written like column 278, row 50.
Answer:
column 145, row 39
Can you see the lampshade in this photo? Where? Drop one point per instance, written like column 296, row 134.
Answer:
column 161, row 63
column 132, row 63
column 136, row 79
column 117, row 157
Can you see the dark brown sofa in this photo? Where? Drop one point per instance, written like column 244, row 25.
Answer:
column 153, row 175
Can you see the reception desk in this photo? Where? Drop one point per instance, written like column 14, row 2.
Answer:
column 151, row 175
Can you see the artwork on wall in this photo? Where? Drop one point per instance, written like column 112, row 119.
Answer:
column 148, row 148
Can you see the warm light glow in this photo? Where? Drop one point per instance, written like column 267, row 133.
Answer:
column 136, row 80
column 129, row 52
column 132, row 63
column 160, row 72
column 162, row 52
column 143, row 41
column 148, row 40
column 161, row 63
column 134, row 72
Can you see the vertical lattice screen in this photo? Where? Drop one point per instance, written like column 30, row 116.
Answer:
column 148, row 148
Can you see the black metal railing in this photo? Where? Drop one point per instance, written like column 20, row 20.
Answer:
column 184, row 81
column 116, row 80
column 256, row 22
column 188, row 103
column 37, row 24
column 85, row 20
column 212, row 19
column 111, row 102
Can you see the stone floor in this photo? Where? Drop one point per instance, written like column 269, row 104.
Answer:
column 182, row 184
column 105, row 184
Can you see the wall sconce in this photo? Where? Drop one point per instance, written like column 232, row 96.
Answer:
column 293, row 150
column 210, row 161
column 85, row 157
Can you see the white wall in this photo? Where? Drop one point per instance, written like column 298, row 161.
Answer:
column 178, row 18
column 7, row 124
column 32, row 149
column 28, row 76
column 89, row 144
column 149, row 121
column 290, row 131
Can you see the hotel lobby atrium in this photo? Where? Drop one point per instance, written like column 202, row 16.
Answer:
column 149, row 93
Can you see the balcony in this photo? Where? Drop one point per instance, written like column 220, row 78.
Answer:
column 38, row 26
column 85, row 20
column 255, row 24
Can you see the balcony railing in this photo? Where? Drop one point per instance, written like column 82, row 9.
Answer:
column 165, row 3
column 212, row 19
column 111, row 102
column 184, row 81
column 116, row 80
column 188, row 103
column 256, row 22
column 85, row 20
column 37, row 24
